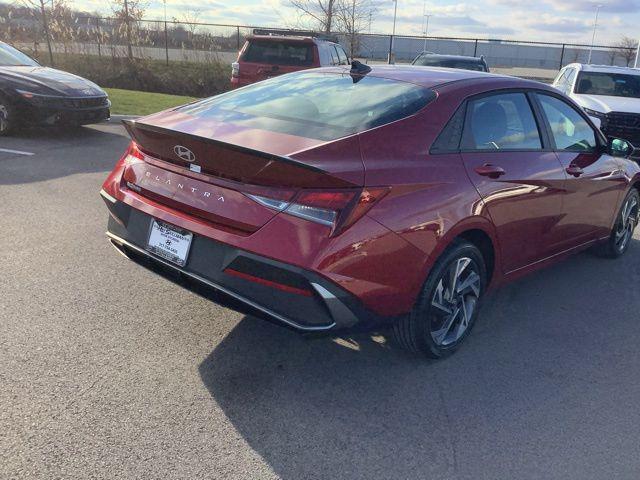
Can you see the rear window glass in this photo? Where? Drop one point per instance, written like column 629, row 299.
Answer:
column 429, row 61
column 279, row 53
column 323, row 106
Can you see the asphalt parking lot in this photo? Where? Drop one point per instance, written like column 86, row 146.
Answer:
column 107, row 371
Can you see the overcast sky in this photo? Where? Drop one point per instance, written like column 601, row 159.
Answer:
column 544, row 20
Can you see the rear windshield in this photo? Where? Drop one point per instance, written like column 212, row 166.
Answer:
column 613, row 84
column 429, row 61
column 279, row 53
column 322, row 106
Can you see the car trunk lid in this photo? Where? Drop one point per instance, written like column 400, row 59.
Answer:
column 211, row 169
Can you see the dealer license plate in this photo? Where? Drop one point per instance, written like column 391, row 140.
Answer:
column 170, row 243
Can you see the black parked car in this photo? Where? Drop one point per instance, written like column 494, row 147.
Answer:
column 31, row 94
column 429, row 59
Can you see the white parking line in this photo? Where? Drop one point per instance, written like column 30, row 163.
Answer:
column 16, row 152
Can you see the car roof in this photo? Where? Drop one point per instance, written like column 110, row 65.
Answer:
column 453, row 57
column 424, row 76
column 604, row 68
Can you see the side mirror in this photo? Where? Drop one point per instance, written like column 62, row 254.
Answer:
column 622, row 148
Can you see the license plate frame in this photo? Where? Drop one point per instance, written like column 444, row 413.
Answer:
column 169, row 242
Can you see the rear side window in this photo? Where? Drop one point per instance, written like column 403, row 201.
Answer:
column 334, row 56
column 560, row 78
column 569, row 129
column 344, row 60
column 571, row 77
column 501, row 122
column 279, row 53
column 323, row 106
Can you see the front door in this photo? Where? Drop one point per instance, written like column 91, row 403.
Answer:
column 595, row 181
column 520, row 180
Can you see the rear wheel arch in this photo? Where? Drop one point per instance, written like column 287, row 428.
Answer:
column 479, row 232
column 483, row 242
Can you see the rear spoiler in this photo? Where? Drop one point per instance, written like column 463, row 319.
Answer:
column 228, row 160
column 132, row 126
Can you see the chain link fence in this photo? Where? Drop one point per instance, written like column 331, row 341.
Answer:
column 203, row 42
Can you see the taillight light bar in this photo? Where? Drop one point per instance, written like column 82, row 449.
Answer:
column 337, row 209
column 132, row 154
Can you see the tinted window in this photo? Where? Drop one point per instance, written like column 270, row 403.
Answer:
column 325, row 57
column 501, row 122
column 560, row 78
column 613, row 84
column 279, row 53
column 342, row 56
column 564, row 81
column 435, row 61
column 570, row 131
column 315, row 105
column 334, row 56
column 9, row 56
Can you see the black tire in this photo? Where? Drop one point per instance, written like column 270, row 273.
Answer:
column 421, row 331
column 626, row 221
column 8, row 118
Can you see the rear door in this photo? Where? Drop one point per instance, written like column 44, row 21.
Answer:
column 519, row 178
column 594, row 179
column 265, row 58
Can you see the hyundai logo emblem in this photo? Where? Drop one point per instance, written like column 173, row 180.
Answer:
column 184, row 153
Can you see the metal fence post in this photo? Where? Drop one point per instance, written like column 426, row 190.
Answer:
column 561, row 56
column 98, row 35
column 475, row 49
column 166, row 42
column 238, row 33
column 46, row 31
column 127, row 26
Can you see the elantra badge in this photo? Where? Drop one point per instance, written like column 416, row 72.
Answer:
column 184, row 153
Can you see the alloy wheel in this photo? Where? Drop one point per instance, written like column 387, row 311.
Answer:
column 4, row 118
column 454, row 301
column 627, row 223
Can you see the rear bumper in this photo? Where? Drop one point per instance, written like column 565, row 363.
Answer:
column 227, row 276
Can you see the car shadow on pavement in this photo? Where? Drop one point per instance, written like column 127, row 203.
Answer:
column 538, row 363
column 60, row 152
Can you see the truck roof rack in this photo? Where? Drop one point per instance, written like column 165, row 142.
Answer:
column 295, row 33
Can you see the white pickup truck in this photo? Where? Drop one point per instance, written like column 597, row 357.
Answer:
column 609, row 95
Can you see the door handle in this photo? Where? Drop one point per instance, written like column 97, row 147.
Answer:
column 491, row 171
column 574, row 170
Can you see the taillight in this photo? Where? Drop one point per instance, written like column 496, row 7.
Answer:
column 337, row 209
column 132, row 154
column 235, row 69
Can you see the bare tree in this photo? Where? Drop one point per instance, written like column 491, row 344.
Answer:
column 127, row 12
column 46, row 14
column 612, row 54
column 191, row 18
column 353, row 18
column 627, row 49
column 322, row 12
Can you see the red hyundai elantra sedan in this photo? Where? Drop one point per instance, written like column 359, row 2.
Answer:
column 355, row 199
